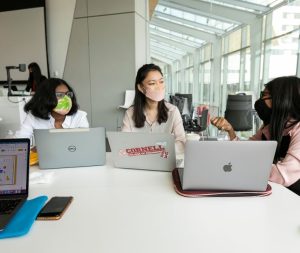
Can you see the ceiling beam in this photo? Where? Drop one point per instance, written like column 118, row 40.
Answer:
column 166, row 54
column 176, row 38
column 172, row 50
column 165, row 50
column 198, row 12
column 162, row 58
column 203, row 27
column 184, row 29
column 253, row 6
column 172, row 42
column 218, row 10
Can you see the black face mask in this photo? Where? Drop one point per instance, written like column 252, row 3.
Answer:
column 263, row 111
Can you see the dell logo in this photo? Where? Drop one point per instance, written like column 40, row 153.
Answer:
column 227, row 167
column 72, row 148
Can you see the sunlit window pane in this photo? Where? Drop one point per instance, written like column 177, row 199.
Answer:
column 285, row 19
column 233, row 75
column 282, row 55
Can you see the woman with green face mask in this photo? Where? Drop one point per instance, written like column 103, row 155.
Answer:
column 53, row 105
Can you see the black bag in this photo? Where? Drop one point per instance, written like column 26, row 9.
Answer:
column 239, row 112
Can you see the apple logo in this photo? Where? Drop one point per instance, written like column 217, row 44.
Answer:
column 227, row 167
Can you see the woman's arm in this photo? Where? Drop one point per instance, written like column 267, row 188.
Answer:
column 179, row 132
column 287, row 171
column 83, row 123
column 26, row 130
column 222, row 124
column 126, row 122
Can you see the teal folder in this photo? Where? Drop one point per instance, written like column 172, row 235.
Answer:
column 24, row 218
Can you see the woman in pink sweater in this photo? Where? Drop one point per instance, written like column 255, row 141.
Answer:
column 279, row 109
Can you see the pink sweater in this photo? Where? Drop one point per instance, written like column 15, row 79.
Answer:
column 287, row 171
column 173, row 125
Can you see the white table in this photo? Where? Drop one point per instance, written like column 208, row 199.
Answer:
column 121, row 210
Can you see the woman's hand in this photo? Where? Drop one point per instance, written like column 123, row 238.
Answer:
column 223, row 125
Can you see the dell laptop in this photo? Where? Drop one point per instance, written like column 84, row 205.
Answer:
column 145, row 151
column 76, row 147
column 14, row 175
column 227, row 165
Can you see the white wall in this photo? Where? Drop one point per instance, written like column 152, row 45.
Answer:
column 22, row 40
column 59, row 23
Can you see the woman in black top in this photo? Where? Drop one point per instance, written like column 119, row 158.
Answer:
column 35, row 77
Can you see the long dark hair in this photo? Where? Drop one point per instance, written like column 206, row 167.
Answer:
column 285, row 94
column 140, row 99
column 44, row 100
column 35, row 74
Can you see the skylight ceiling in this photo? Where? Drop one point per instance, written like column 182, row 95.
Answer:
column 191, row 19
column 188, row 24
column 268, row 3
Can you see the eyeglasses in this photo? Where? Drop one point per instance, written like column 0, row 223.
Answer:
column 59, row 95
column 265, row 95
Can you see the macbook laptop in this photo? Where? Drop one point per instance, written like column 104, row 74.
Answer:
column 227, row 165
column 60, row 148
column 14, row 174
column 146, row 151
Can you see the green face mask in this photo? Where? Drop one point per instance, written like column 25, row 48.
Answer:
column 64, row 105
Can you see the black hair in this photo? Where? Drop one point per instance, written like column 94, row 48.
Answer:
column 44, row 100
column 140, row 98
column 285, row 94
column 35, row 76
column 35, row 73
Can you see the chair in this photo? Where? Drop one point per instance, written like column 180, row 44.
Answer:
column 203, row 122
column 129, row 99
column 188, row 106
column 239, row 112
column 178, row 101
column 185, row 107
column 199, row 124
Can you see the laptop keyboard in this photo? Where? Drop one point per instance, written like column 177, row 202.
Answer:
column 8, row 205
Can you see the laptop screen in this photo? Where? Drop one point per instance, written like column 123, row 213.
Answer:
column 14, row 164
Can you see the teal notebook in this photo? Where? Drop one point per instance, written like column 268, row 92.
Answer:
column 24, row 218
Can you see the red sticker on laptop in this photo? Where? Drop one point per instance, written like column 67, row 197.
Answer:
column 147, row 150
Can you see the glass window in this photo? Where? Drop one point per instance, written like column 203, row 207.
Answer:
column 188, row 80
column 247, row 69
column 178, row 81
column 284, row 19
column 233, row 72
column 245, row 41
column 206, row 82
column 235, row 41
column 232, row 42
column 281, row 55
column 206, row 52
column 191, row 80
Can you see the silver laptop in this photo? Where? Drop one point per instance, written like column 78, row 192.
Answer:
column 147, row 151
column 14, row 175
column 227, row 165
column 59, row 148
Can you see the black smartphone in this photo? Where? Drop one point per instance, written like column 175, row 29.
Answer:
column 54, row 208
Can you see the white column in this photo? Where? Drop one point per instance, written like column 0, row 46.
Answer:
column 256, row 40
column 216, row 73
column 117, row 45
